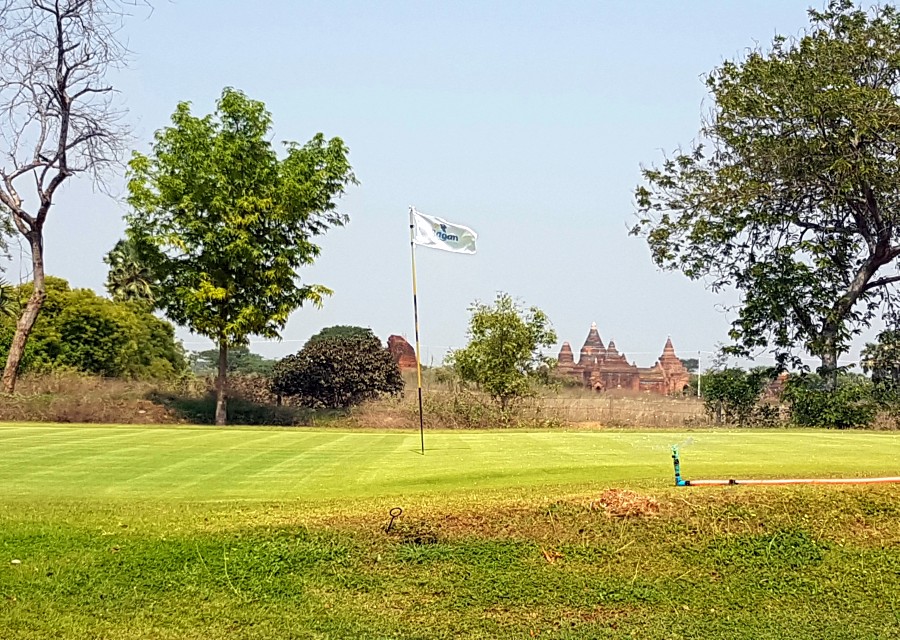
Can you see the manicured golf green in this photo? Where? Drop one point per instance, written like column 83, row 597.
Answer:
column 196, row 464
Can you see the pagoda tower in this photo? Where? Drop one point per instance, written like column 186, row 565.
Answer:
column 565, row 361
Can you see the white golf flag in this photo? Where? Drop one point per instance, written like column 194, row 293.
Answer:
column 437, row 233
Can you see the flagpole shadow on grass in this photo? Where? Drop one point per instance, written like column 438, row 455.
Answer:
column 436, row 233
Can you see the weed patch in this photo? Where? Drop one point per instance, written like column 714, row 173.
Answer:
column 779, row 550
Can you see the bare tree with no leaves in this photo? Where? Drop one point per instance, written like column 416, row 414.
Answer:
column 58, row 118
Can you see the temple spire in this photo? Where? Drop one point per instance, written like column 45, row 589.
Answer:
column 669, row 350
column 593, row 339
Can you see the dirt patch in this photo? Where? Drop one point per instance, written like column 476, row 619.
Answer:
column 621, row 503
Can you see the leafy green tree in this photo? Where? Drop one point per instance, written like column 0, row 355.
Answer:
column 691, row 364
column 80, row 330
column 240, row 360
column 338, row 371
column 232, row 223
column 732, row 395
column 503, row 356
column 9, row 305
column 814, row 403
column 881, row 360
column 129, row 277
column 792, row 195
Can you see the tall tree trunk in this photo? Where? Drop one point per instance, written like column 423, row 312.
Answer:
column 221, row 383
column 829, row 370
column 29, row 315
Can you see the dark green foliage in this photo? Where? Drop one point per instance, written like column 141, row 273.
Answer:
column 240, row 360
column 342, row 331
column 503, row 355
column 79, row 330
column 129, row 278
column 338, row 372
column 792, row 196
column 814, row 404
column 9, row 303
column 691, row 364
column 201, row 409
column 881, row 359
column 733, row 395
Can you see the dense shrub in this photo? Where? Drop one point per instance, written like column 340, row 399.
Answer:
column 78, row 330
column 851, row 404
column 338, row 372
column 733, row 396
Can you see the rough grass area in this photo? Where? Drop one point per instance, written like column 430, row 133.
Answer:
column 449, row 406
column 70, row 397
column 773, row 563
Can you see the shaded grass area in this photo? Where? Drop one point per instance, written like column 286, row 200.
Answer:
column 201, row 409
column 807, row 562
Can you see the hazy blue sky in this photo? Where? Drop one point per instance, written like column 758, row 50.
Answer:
column 527, row 121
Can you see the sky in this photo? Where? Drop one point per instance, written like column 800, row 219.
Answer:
column 527, row 121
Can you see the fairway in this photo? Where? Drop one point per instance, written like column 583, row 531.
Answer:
column 197, row 463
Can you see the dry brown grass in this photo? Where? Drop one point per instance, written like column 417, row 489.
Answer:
column 71, row 397
column 614, row 410
column 622, row 503
column 76, row 398
column 449, row 408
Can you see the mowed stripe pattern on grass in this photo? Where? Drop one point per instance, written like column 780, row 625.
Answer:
column 201, row 463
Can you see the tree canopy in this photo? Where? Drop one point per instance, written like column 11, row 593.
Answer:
column 240, row 360
column 881, row 360
column 792, row 194
column 231, row 223
column 342, row 331
column 503, row 355
column 129, row 278
column 80, row 330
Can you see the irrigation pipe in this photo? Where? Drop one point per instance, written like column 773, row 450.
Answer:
column 680, row 482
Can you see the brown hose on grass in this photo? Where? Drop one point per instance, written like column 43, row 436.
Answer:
column 697, row 483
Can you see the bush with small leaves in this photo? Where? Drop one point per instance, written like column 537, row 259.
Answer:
column 851, row 404
column 732, row 395
column 338, row 372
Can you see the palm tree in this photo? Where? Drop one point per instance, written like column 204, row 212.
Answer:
column 9, row 301
column 129, row 278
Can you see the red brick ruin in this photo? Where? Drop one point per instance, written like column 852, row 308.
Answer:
column 605, row 369
column 402, row 352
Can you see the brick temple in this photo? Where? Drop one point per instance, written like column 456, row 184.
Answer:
column 402, row 352
column 605, row 369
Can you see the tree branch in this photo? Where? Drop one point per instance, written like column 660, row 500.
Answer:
column 881, row 282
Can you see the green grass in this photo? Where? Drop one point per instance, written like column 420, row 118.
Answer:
column 198, row 463
column 126, row 532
